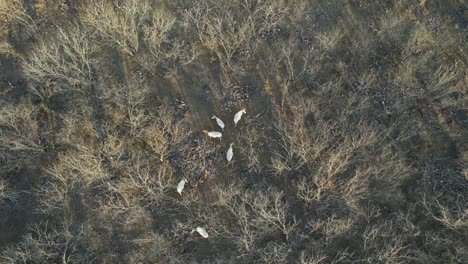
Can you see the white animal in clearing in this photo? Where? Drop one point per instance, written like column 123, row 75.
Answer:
column 180, row 186
column 238, row 115
column 219, row 122
column 213, row 134
column 201, row 231
column 230, row 153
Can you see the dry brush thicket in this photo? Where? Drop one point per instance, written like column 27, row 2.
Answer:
column 353, row 148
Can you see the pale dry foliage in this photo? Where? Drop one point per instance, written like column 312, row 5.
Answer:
column 81, row 164
column 15, row 10
column 342, row 155
column 301, row 142
column 333, row 227
column 44, row 244
column 74, row 171
column 6, row 194
column 250, row 149
column 156, row 33
column 419, row 76
column 296, row 66
column 76, row 168
column 256, row 213
column 165, row 133
column 275, row 252
column 338, row 180
column 118, row 25
column 155, row 124
column 143, row 183
column 382, row 244
column 129, row 100
column 308, row 258
column 219, row 30
column 198, row 164
column 393, row 30
column 273, row 209
column 154, row 247
column 330, row 39
column 319, row 256
column 19, row 135
column 167, row 48
column 133, row 218
column 60, row 65
column 249, row 226
column 453, row 216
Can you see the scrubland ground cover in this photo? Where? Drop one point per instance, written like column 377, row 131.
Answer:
column 353, row 148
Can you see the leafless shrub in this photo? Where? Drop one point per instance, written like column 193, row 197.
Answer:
column 114, row 148
column 335, row 164
column 143, row 183
column 441, row 82
column 6, row 193
column 77, row 167
column 386, row 166
column 109, row 216
column 221, row 33
column 73, row 170
column 165, row 133
column 200, row 211
column 249, row 227
column 132, row 218
column 333, row 227
column 308, row 192
column 317, row 257
column 274, row 253
column 381, row 244
column 15, row 10
column 55, row 197
column 417, row 56
column 216, row 33
column 421, row 40
column 129, row 101
column 156, row 33
column 330, row 39
column 155, row 125
column 62, row 64
column 118, row 25
column 271, row 207
column 251, row 141
column 19, row 135
column 279, row 165
column 363, row 44
column 83, row 163
column 43, row 244
column 153, row 248
column 309, row 258
column 198, row 160
column 166, row 50
column 7, row 50
column 296, row 65
column 452, row 248
column 452, row 217
column 256, row 215
column 332, row 150
column 301, row 143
